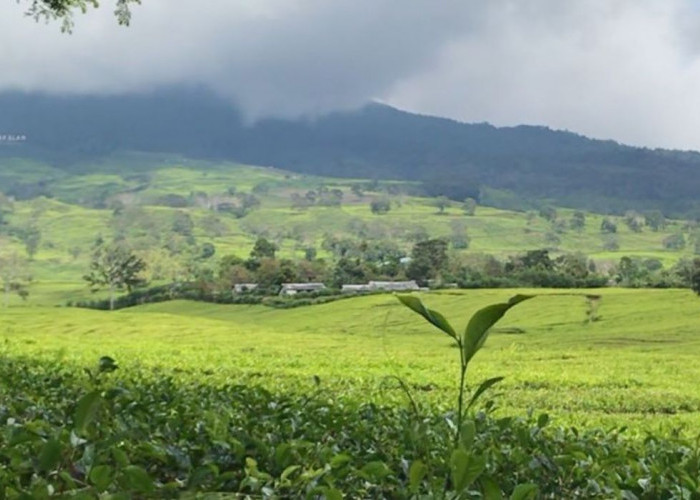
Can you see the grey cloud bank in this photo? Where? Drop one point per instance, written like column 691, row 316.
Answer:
column 621, row 69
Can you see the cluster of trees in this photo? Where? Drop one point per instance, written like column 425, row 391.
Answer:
column 430, row 263
column 322, row 196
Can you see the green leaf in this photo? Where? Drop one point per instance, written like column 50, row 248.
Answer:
column 416, row 473
column 542, row 420
column 120, row 457
column 465, row 468
column 284, row 455
column 483, row 387
column 50, row 455
column 137, row 479
column 375, row 471
column 289, row 471
column 332, row 494
column 481, row 322
column 201, row 475
column 22, row 435
column 101, row 476
column 517, row 299
column 340, row 460
column 107, row 364
column 525, row 491
column 490, row 489
column 467, row 434
column 87, row 409
column 433, row 317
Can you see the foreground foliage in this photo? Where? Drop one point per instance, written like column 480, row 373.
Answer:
column 149, row 432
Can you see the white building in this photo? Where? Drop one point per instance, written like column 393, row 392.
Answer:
column 294, row 288
column 394, row 286
column 355, row 288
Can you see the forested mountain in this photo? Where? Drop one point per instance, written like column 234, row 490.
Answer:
column 377, row 141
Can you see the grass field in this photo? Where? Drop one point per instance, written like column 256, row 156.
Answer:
column 634, row 367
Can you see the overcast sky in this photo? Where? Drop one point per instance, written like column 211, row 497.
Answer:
column 622, row 69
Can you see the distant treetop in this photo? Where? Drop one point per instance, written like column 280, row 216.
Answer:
column 63, row 10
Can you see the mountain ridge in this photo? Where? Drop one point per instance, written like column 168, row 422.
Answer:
column 376, row 141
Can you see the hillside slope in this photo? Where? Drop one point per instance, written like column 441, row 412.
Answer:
column 377, row 141
column 144, row 202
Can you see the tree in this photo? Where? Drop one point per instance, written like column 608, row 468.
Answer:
column 183, row 224
column 380, row 206
column 608, row 226
column 655, row 220
column 428, row 258
column 247, row 202
column 469, row 206
column 310, row 254
column 695, row 276
column 548, row 213
column 441, row 203
column 559, row 226
column 634, row 220
column 348, row 271
column 14, row 275
column 675, row 241
column 575, row 265
column 630, row 272
column 532, row 259
column 207, row 251
column 578, row 221
column 114, row 267
column 63, row 10
column 232, row 270
column 263, row 248
column 31, row 237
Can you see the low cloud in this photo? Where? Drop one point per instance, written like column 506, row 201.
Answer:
column 623, row 69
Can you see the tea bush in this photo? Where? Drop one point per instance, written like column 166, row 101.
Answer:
column 66, row 432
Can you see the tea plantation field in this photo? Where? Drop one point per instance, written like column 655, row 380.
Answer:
column 305, row 402
column 634, row 366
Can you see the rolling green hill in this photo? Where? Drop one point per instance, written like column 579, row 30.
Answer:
column 140, row 197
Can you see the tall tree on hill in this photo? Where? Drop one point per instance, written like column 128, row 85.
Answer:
column 548, row 213
column 31, row 237
column 114, row 267
column 655, row 220
column 469, row 206
column 608, row 226
column 380, row 206
column 578, row 221
column 441, row 203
